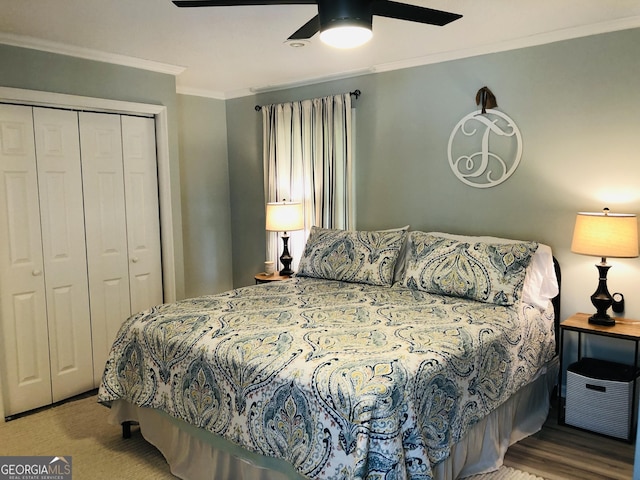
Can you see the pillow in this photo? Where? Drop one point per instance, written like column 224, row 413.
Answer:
column 486, row 272
column 540, row 282
column 398, row 272
column 352, row 256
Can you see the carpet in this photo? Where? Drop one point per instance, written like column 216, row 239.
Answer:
column 79, row 429
column 505, row 473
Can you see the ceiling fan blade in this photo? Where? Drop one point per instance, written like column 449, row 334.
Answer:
column 308, row 30
column 228, row 3
column 403, row 11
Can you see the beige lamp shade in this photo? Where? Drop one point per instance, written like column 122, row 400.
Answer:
column 284, row 217
column 606, row 235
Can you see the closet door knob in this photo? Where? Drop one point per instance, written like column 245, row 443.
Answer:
column 36, row 273
column 134, row 259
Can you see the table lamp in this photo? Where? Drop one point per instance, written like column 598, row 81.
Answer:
column 605, row 235
column 285, row 217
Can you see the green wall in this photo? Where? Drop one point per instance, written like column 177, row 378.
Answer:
column 576, row 103
column 50, row 72
column 204, row 176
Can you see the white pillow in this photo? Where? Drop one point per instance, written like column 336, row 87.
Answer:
column 540, row 282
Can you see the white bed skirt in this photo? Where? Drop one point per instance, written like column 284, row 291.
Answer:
column 194, row 454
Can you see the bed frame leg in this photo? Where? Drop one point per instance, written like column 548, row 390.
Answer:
column 126, row 429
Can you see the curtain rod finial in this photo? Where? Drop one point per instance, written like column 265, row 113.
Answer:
column 258, row 108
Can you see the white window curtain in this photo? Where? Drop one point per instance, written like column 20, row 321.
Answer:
column 308, row 158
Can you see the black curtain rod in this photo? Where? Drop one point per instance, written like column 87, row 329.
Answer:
column 356, row 93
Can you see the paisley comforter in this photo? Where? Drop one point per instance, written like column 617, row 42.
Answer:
column 342, row 380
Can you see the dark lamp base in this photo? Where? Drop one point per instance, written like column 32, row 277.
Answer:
column 286, row 257
column 601, row 298
column 596, row 319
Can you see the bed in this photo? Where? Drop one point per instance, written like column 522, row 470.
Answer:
column 391, row 354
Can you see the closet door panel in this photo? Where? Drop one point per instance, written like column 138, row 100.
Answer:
column 105, row 218
column 143, row 213
column 65, row 258
column 23, row 313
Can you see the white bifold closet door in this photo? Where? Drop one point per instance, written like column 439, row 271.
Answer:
column 79, row 246
column 25, row 337
column 63, row 247
column 105, row 218
column 143, row 215
column 44, row 300
column 122, row 218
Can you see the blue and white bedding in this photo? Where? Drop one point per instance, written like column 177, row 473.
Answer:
column 341, row 380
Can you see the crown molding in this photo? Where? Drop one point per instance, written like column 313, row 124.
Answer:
column 198, row 92
column 245, row 92
column 515, row 44
column 88, row 54
column 303, row 82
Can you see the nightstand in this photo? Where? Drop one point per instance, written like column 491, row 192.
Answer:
column 624, row 329
column 274, row 277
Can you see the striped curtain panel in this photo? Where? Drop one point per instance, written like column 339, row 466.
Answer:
column 308, row 158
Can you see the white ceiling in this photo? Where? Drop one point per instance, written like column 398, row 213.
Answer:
column 226, row 52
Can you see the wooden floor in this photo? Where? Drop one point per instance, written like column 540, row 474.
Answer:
column 560, row 452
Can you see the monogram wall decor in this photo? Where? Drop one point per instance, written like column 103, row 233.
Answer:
column 485, row 147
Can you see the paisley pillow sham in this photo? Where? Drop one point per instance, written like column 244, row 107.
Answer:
column 540, row 281
column 352, row 256
column 486, row 272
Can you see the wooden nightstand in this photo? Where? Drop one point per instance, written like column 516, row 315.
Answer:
column 624, row 329
column 274, row 277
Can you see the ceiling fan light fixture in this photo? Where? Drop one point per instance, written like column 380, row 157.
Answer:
column 346, row 36
column 342, row 23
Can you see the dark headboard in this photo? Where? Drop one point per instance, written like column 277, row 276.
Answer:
column 556, row 303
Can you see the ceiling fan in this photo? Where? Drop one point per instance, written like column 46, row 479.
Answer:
column 351, row 20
